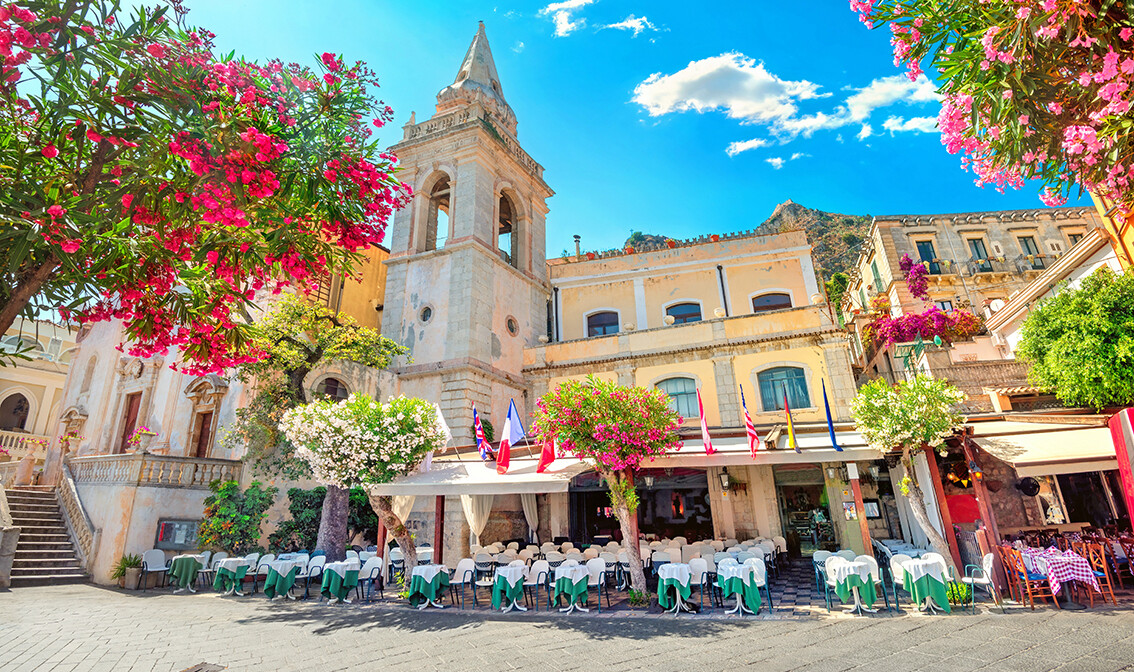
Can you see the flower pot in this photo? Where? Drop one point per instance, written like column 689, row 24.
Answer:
column 590, row 256
column 671, row 244
column 715, row 238
column 629, row 250
column 131, row 580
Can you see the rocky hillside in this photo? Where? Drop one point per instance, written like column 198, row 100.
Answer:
column 835, row 238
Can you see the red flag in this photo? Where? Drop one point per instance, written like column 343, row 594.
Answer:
column 753, row 437
column 709, row 450
column 547, row 456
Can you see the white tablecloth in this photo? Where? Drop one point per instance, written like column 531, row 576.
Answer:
column 675, row 570
column 282, row 567
column 233, row 564
column 341, row 568
column 839, row 571
column 746, row 573
column 511, row 574
column 199, row 558
column 573, row 572
column 427, row 572
column 919, row 568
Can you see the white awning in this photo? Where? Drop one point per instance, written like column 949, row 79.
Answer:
column 451, row 477
column 1051, row 449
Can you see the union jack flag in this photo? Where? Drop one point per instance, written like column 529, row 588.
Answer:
column 481, row 439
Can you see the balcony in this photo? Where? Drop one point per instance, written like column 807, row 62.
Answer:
column 147, row 470
column 19, row 444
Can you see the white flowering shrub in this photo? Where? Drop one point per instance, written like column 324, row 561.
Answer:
column 909, row 414
column 359, row 441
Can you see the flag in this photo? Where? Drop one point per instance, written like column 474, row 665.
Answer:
column 704, row 426
column 753, row 437
column 513, row 433
column 547, row 456
column 790, row 426
column 830, row 422
column 481, row 440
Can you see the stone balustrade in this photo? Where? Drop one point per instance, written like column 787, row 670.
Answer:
column 83, row 532
column 147, row 470
column 19, row 444
column 8, row 473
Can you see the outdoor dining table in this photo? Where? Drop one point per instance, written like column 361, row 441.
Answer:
column 508, row 586
column 674, row 576
column 740, row 580
column 183, row 571
column 427, row 585
column 1061, row 567
column 571, row 580
column 925, row 580
column 230, row 575
column 853, row 579
column 281, row 577
column 339, row 578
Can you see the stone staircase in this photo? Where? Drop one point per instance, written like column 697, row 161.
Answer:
column 44, row 553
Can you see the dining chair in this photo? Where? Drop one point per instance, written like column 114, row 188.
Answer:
column 369, row 574
column 817, row 560
column 898, row 576
column 1097, row 557
column 830, row 584
column 875, row 576
column 463, row 575
column 762, row 580
column 261, row 569
column 1032, row 584
column 538, row 578
column 596, row 571
column 981, row 576
column 154, row 562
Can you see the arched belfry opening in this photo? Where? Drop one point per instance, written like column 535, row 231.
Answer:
column 507, row 232
column 437, row 215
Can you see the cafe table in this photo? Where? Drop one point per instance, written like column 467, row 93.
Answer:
column 925, row 581
column 853, row 579
column 1062, row 567
column 740, row 580
column 339, row 578
column 427, row 585
column 508, row 586
column 674, row 576
column 183, row 571
column 571, row 580
column 281, row 577
column 230, row 575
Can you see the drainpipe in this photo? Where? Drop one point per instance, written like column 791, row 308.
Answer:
column 555, row 317
column 724, row 295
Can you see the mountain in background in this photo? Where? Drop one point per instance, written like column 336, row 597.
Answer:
column 835, row 238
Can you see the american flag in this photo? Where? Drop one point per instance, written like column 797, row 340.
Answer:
column 753, row 437
column 481, row 439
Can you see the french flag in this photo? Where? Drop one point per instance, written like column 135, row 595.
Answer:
column 513, row 433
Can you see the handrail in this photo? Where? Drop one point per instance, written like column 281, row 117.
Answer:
column 5, row 510
column 145, row 469
column 8, row 473
column 18, row 444
column 78, row 522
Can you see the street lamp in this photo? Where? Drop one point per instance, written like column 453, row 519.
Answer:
column 725, row 481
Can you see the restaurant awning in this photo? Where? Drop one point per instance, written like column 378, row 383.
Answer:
column 1039, row 449
column 473, row 477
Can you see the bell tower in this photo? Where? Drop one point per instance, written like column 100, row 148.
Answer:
column 467, row 286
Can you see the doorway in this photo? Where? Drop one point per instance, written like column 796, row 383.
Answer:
column 804, row 511
column 130, row 418
column 204, row 433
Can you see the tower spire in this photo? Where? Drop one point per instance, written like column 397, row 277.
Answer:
column 477, row 82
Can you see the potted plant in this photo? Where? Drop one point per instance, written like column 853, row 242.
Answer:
column 715, row 238
column 629, row 249
column 139, row 440
column 670, row 243
column 128, row 570
column 590, row 256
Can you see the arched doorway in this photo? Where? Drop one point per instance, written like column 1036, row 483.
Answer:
column 14, row 412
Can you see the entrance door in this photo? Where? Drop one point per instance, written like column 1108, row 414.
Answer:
column 804, row 513
column 133, row 403
column 204, row 433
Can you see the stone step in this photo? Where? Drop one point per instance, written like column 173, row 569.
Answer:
column 41, row 579
column 33, row 508
column 32, row 488
column 52, row 546
column 41, row 529
column 49, row 553
column 33, row 565
column 30, row 496
column 33, row 514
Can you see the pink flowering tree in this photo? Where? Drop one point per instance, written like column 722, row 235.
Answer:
column 149, row 180
column 1032, row 89
column 615, row 429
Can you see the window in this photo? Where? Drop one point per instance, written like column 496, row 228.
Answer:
column 927, row 254
column 775, row 382
column 877, row 277
column 684, row 312
column 513, row 327
column 507, row 238
column 332, row 388
column 773, row 301
column 682, row 395
column 1074, row 237
column 945, row 305
column 601, row 324
column 862, row 298
column 980, row 255
column 426, row 314
column 23, row 344
column 1028, row 246
column 437, row 217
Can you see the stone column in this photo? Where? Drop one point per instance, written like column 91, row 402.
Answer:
column 728, row 399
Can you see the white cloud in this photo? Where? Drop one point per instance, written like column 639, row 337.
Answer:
column 518, row 46
column 887, row 91
column 561, row 13
column 633, row 23
column 743, row 146
column 799, row 155
column 915, row 124
column 776, row 161
column 865, row 132
column 732, row 82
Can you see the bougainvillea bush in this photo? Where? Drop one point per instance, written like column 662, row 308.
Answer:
column 615, row 429
column 917, row 277
column 955, row 325
column 146, row 178
column 1032, row 89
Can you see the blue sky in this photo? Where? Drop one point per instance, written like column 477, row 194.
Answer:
column 633, row 106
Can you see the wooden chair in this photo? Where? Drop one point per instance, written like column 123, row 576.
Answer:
column 1031, row 584
column 1097, row 557
column 1116, row 564
column 1014, row 593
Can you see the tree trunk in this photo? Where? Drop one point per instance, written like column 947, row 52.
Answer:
column 332, row 538
column 384, row 507
column 25, row 291
column 628, row 523
column 917, row 506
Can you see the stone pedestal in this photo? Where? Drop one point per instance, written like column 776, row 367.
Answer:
column 53, row 466
column 25, row 473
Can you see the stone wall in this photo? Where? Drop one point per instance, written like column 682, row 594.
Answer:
column 972, row 377
column 1011, row 508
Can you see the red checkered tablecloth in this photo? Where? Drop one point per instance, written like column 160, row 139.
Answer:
column 1061, row 566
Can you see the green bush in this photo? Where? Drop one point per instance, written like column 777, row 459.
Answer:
column 232, row 518
column 127, row 561
column 306, row 509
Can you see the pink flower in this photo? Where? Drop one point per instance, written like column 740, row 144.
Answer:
column 50, row 151
column 126, row 200
column 331, row 61
column 71, row 245
column 93, row 136
column 156, row 50
column 56, row 211
column 330, row 175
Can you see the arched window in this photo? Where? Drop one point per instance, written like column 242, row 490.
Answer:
column 24, row 344
column 14, row 411
column 437, row 222
column 601, row 324
column 682, row 395
column 774, row 383
column 684, row 312
column 772, row 301
column 507, row 237
column 332, row 388
column 88, row 374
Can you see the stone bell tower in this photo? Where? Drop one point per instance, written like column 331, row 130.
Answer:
column 467, row 287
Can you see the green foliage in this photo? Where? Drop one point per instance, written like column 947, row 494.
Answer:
column 128, row 561
column 232, row 518
column 623, row 492
column 489, row 432
column 836, row 287
column 639, row 598
column 306, row 509
column 1081, row 342
column 957, row 592
column 907, row 415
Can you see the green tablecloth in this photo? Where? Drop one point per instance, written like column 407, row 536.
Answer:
column 927, row 586
column 184, row 571
column 280, row 584
column 421, row 590
column 664, row 586
column 228, row 580
column 337, row 587
column 502, row 590
column 735, row 585
column 866, row 592
column 575, row 592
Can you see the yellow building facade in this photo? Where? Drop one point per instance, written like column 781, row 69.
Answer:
column 31, row 387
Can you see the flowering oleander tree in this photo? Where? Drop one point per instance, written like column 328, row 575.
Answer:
column 910, row 416
column 360, row 442
column 145, row 178
column 615, row 429
column 1032, row 89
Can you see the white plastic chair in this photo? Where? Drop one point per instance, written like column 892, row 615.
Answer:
column 206, row 567
column 898, row 575
column 699, row 578
column 370, row 572
column 538, row 576
column 591, row 553
column 261, row 568
column 717, row 545
column 875, row 575
column 830, row 584
column 657, row 559
column 760, row 576
column 817, row 560
column 514, row 545
column 577, row 557
column 846, row 554
column 154, row 562
column 596, row 569
column 313, row 570
column 464, row 575
column 981, row 576
column 689, row 553
column 352, row 555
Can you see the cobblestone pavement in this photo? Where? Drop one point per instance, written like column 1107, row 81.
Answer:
column 83, row 627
